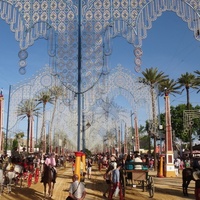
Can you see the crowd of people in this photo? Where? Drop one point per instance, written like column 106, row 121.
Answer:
column 113, row 166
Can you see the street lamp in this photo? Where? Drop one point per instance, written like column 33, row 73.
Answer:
column 161, row 136
column 132, row 138
column 132, row 113
column 169, row 161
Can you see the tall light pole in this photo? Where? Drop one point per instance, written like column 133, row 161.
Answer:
column 137, row 139
column 136, row 146
column 83, row 125
column 169, row 160
column 79, row 73
column 132, row 113
column 8, row 113
column 1, row 120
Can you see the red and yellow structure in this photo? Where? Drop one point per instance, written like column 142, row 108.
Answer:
column 80, row 162
column 169, row 159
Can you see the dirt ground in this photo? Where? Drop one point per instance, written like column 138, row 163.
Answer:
column 165, row 188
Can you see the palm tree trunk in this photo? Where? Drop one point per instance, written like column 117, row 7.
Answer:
column 190, row 128
column 31, row 134
column 188, row 98
column 28, row 130
column 43, row 145
column 149, row 135
column 51, row 126
column 154, row 124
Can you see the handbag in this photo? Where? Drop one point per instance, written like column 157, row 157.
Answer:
column 116, row 193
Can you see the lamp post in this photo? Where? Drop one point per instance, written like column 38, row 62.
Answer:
column 160, row 134
column 132, row 138
column 8, row 113
column 83, row 124
column 136, row 136
column 1, row 120
column 169, row 161
column 119, row 140
column 79, row 72
column 83, row 134
column 132, row 113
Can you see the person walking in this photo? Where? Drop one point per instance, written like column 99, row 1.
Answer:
column 115, row 180
column 77, row 189
column 73, row 166
column 89, row 168
column 108, row 177
column 176, row 166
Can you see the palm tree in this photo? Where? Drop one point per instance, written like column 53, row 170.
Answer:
column 197, row 81
column 187, row 80
column 56, row 92
column 153, row 78
column 170, row 86
column 43, row 98
column 28, row 108
column 111, row 138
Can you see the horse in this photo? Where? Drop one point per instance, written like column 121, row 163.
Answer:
column 49, row 177
column 13, row 173
column 187, row 176
column 2, row 178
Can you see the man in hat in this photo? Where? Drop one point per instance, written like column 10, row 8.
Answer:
column 138, row 160
column 51, row 162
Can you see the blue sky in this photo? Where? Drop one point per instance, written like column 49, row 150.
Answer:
column 170, row 46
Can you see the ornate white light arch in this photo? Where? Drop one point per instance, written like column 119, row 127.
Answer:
column 79, row 32
column 101, row 20
column 122, row 82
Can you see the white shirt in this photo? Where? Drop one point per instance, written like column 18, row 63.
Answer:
column 80, row 188
column 138, row 159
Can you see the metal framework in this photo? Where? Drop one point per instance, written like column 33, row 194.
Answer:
column 79, row 33
column 58, row 21
column 98, row 109
column 188, row 116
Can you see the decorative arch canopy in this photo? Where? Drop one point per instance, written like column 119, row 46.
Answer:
column 58, row 21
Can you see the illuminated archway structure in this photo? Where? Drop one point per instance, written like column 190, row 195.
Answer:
column 58, row 21
column 83, row 30
column 120, row 81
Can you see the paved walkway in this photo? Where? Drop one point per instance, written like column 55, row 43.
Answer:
column 95, row 188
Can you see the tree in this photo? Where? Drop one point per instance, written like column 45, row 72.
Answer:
column 177, row 121
column 153, row 79
column 18, row 136
column 43, row 98
column 197, row 80
column 169, row 86
column 28, row 108
column 56, row 92
column 188, row 80
column 142, row 131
